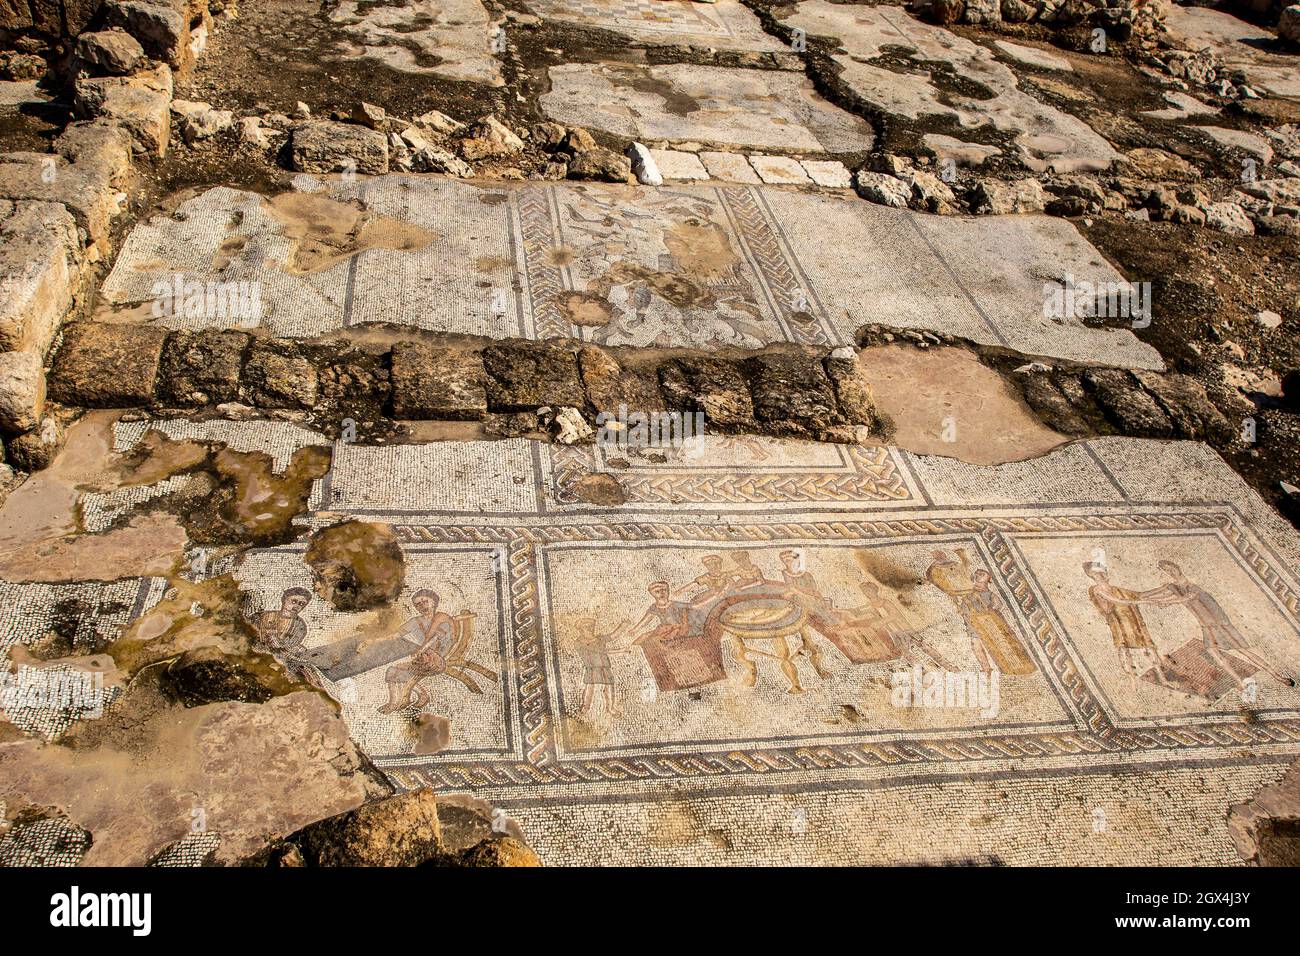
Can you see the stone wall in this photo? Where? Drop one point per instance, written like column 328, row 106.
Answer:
column 1121, row 16
column 58, row 210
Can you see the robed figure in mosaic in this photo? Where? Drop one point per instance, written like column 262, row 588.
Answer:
column 1128, row 629
column 1222, row 642
column 284, row 631
column 993, row 642
column 670, row 634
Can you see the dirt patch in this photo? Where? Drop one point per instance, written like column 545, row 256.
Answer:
column 356, row 565
column 944, row 401
column 327, row 231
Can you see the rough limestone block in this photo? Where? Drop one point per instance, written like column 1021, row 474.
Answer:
column 22, row 391
column 430, row 382
column 86, row 191
column 525, row 376
column 323, row 146
column 141, row 104
column 40, row 258
column 107, row 366
column 162, row 28
column 98, row 147
column 102, row 366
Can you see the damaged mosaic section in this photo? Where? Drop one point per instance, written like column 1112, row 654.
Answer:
column 687, row 266
column 746, row 607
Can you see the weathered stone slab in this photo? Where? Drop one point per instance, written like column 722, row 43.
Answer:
column 676, row 164
column 1047, row 137
column 779, row 169
column 702, row 266
column 762, row 109
column 728, row 167
column 107, row 366
column 202, row 368
column 719, row 25
column 522, row 378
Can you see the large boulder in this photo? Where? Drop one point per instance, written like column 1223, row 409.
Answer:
column 114, row 52
column 162, row 28
column 1288, row 25
column 323, row 146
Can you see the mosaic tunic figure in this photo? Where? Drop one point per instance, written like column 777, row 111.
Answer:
column 284, row 631
column 679, row 654
column 1127, row 628
column 712, row 583
column 595, row 650
column 1219, row 635
column 992, row 640
column 1008, row 655
column 747, row 573
column 440, row 647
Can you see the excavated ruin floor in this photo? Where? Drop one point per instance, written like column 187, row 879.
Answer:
column 720, row 651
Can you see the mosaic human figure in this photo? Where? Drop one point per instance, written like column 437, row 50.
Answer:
column 880, row 624
column 679, row 654
column 992, row 641
column 284, row 631
column 430, row 633
column 805, row 592
column 1218, row 634
column 1001, row 646
column 712, row 583
column 595, row 650
column 1128, row 630
column 747, row 574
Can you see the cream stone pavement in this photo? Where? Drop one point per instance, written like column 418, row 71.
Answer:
column 723, row 25
column 447, row 38
column 803, row 586
column 1047, row 138
column 760, row 109
column 706, row 266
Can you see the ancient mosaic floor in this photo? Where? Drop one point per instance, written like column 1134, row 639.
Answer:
column 693, row 265
column 699, row 719
column 446, row 38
